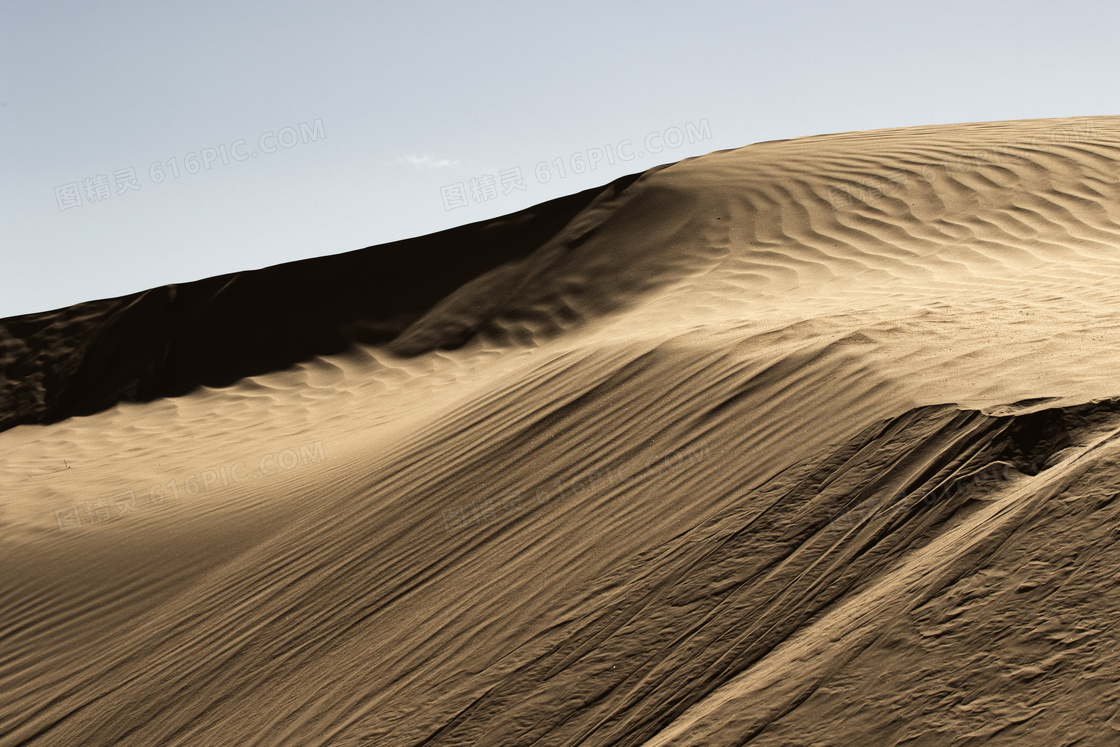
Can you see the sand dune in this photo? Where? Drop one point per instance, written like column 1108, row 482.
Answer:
column 809, row 442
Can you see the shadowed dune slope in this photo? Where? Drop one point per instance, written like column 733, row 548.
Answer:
column 813, row 442
column 169, row 340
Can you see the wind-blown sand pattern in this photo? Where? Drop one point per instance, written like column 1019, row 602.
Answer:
column 813, row 442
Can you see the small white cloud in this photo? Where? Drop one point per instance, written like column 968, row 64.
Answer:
column 428, row 162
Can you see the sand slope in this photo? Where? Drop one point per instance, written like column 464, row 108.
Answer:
column 809, row 442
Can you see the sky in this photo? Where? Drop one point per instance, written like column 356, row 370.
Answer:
column 154, row 143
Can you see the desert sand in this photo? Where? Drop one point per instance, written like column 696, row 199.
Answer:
column 811, row 442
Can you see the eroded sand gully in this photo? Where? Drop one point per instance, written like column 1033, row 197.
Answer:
column 809, row 442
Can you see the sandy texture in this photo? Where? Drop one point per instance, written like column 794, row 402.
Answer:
column 813, row 442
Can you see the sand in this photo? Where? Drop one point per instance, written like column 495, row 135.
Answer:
column 812, row 442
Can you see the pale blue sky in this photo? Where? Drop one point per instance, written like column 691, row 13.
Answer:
column 387, row 105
